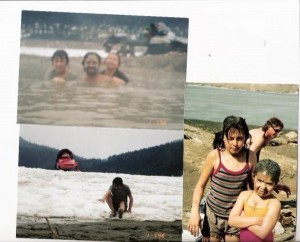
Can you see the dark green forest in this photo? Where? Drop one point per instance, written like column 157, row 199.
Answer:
column 162, row 160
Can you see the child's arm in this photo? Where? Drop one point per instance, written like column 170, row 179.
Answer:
column 269, row 220
column 130, row 203
column 208, row 167
column 235, row 217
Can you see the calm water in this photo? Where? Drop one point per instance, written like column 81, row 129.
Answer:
column 214, row 104
column 151, row 105
column 153, row 99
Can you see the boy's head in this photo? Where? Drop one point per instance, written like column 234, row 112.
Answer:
column 118, row 181
column 60, row 54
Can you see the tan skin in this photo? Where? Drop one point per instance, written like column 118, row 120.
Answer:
column 259, row 198
column 259, row 140
column 91, row 66
column 112, row 63
column 233, row 159
column 61, row 69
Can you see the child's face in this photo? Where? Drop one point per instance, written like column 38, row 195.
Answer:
column 263, row 184
column 59, row 64
column 235, row 141
column 112, row 61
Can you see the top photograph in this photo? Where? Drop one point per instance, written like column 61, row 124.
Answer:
column 103, row 70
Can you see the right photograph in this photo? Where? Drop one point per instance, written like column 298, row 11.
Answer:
column 240, row 162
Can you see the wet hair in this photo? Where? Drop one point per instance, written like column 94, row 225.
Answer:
column 270, row 167
column 118, row 181
column 91, row 53
column 63, row 151
column 231, row 122
column 272, row 122
column 60, row 54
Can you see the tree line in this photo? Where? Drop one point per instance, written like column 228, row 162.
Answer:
column 161, row 160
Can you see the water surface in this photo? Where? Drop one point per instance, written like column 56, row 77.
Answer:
column 214, row 104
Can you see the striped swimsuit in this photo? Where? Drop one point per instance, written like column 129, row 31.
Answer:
column 226, row 186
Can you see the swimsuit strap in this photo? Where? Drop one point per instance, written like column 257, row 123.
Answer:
column 219, row 153
column 248, row 197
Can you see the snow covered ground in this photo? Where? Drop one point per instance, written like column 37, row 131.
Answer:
column 51, row 193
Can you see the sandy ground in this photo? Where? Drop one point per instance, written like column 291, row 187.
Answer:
column 107, row 230
column 278, row 88
column 199, row 143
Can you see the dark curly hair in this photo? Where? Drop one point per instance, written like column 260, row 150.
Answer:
column 231, row 122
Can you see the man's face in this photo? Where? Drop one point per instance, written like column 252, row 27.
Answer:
column 91, row 65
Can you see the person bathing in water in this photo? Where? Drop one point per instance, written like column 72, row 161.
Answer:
column 61, row 71
column 91, row 65
column 112, row 63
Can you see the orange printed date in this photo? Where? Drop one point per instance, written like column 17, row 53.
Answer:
column 161, row 122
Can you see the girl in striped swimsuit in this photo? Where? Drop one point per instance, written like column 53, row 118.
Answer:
column 229, row 167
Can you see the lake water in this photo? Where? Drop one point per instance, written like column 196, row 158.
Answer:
column 153, row 99
column 214, row 104
column 75, row 104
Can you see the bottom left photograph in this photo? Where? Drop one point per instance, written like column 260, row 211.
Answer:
column 99, row 184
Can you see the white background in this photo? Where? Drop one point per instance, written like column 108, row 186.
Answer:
column 229, row 41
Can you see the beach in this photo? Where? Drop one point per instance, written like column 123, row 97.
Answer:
column 105, row 230
column 198, row 143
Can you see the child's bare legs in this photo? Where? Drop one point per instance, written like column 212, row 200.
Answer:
column 121, row 209
column 109, row 202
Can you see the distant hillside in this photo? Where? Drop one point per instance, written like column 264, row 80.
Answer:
column 162, row 160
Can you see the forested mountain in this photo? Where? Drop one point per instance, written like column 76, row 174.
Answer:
column 162, row 160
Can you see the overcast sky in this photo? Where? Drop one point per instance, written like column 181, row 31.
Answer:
column 93, row 142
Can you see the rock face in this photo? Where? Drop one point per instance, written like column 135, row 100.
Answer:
column 292, row 137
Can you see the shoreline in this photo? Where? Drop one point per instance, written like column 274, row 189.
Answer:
column 106, row 230
column 292, row 89
column 212, row 126
column 253, row 87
